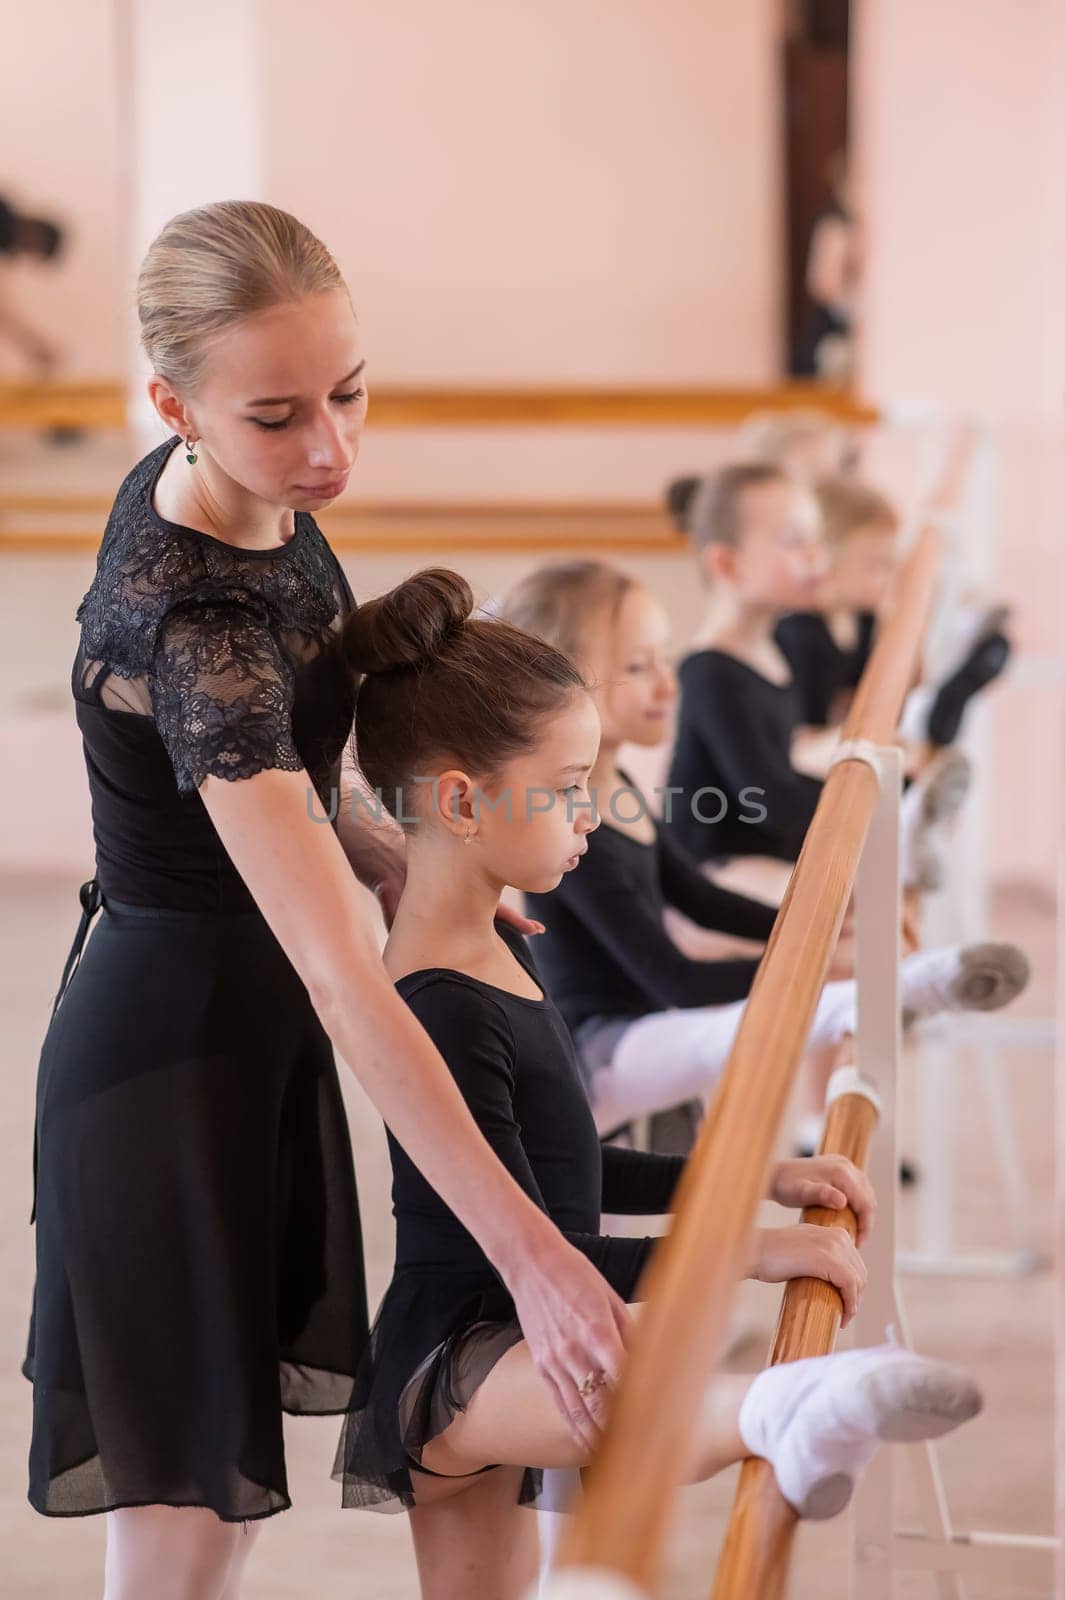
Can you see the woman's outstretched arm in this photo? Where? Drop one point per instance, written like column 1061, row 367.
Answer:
column 296, row 869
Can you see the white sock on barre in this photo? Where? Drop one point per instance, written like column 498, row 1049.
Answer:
column 913, row 723
column 818, row 1422
column 969, row 977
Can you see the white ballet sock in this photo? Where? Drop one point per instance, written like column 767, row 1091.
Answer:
column 818, row 1422
column 913, row 723
column 808, row 1131
column 970, row 977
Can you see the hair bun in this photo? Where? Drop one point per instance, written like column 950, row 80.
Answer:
column 680, row 493
column 411, row 624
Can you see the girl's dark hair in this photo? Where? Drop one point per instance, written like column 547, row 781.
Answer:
column 679, row 495
column 437, row 681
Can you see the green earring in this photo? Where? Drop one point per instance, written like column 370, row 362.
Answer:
column 190, row 454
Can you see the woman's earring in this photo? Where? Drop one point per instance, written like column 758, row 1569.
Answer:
column 468, row 836
column 190, row 454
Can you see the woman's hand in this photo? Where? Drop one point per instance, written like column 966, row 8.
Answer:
column 525, row 926
column 809, row 1251
column 830, row 1181
column 574, row 1324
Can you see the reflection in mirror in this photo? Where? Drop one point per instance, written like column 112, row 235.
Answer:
column 822, row 229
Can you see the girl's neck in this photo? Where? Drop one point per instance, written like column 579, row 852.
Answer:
column 446, row 914
column 205, row 498
column 606, row 781
column 736, row 624
column 604, row 777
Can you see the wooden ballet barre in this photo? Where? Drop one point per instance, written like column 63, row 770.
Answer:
column 620, row 1524
column 65, row 403
column 757, row 1548
column 58, row 524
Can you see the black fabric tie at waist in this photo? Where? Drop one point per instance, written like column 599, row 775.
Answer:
column 91, row 900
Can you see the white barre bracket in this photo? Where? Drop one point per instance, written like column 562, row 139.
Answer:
column 865, row 750
column 849, row 1080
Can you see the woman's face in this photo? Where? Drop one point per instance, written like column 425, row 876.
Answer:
column 780, row 558
column 282, row 401
column 630, row 663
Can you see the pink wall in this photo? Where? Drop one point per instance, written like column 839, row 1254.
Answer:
column 961, row 132
column 532, row 193
column 520, row 193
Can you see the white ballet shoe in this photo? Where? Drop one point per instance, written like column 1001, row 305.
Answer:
column 971, row 977
column 819, row 1422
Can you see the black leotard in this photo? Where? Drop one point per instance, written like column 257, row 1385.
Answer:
column 739, row 793
column 446, row 1318
column 606, row 952
column 823, row 668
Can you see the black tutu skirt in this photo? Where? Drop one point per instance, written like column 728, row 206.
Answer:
column 199, row 1255
column 436, row 1337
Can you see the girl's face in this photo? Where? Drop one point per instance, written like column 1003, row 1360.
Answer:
column 779, row 560
column 630, row 663
column 529, row 826
column 809, row 456
column 280, row 407
column 863, row 569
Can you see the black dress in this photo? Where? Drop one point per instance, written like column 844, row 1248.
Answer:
column 736, row 791
column 199, row 1256
column 606, row 953
column 822, row 667
column 446, row 1319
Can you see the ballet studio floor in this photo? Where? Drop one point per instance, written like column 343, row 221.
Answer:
column 998, row 1472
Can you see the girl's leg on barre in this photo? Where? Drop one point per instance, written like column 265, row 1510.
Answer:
column 663, row 1060
column 817, row 1421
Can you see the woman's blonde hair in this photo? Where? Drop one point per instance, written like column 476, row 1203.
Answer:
column 557, row 603
column 214, row 266
column 848, row 507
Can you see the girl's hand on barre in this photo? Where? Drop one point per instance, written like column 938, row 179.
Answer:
column 808, row 1250
column 830, row 1181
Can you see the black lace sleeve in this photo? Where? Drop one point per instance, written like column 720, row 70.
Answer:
column 221, row 689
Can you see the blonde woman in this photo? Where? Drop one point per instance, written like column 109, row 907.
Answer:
column 199, row 1261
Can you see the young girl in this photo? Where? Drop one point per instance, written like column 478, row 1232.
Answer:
column 828, row 648
column 740, row 745
column 482, row 739
column 654, row 1026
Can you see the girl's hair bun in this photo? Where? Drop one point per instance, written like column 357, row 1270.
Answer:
column 680, row 493
column 410, row 625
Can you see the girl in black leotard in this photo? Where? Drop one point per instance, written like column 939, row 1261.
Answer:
column 740, row 730
column 653, row 1025
column 482, row 738
column 758, row 541
column 828, row 648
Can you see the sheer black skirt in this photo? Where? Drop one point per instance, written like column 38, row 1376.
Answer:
column 199, row 1254
column 436, row 1337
